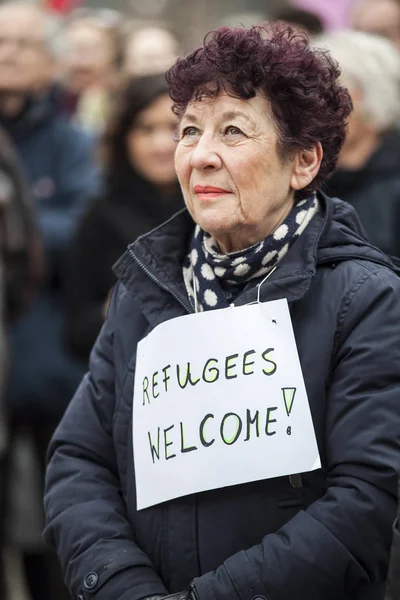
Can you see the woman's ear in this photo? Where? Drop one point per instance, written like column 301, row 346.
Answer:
column 306, row 166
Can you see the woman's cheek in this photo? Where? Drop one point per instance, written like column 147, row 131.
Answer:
column 189, row 202
column 182, row 168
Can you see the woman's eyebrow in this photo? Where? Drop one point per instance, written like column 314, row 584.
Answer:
column 226, row 116
column 190, row 117
column 232, row 114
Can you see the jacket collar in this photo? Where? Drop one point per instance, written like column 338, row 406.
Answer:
column 151, row 266
column 153, row 263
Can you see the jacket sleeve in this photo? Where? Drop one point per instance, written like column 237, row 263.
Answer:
column 340, row 545
column 86, row 518
column 393, row 589
column 76, row 180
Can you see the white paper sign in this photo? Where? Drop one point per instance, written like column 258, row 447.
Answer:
column 219, row 400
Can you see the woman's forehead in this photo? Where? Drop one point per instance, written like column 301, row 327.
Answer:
column 225, row 106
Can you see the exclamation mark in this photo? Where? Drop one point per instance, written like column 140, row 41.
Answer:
column 288, row 397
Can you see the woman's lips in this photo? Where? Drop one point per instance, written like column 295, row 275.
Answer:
column 208, row 192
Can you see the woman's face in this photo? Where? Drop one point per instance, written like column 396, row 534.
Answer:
column 151, row 144
column 235, row 184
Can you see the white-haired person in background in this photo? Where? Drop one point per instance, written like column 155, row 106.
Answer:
column 381, row 17
column 368, row 175
column 149, row 49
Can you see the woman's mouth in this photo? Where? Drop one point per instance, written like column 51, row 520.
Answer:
column 209, row 192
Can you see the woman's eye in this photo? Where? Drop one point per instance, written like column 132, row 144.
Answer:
column 232, row 130
column 189, row 131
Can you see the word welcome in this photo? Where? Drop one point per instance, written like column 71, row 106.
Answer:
column 167, row 442
column 230, row 367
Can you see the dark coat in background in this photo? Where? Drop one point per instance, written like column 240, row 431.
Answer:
column 374, row 191
column 21, row 245
column 21, row 259
column 329, row 539
column 58, row 162
column 129, row 208
column 21, row 256
column 21, row 270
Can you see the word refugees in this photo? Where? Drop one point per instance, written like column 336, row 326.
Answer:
column 230, row 367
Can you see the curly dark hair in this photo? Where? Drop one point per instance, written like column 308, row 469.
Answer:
column 300, row 82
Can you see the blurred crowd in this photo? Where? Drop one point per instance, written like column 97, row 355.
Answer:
column 87, row 166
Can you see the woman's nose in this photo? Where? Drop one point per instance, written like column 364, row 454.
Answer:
column 205, row 155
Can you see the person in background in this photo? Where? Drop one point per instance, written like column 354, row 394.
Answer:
column 57, row 159
column 380, row 17
column 262, row 117
column 300, row 19
column 91, row 60
column 368, row 175
column 21, row 271
column 149, row 50
column 141, row 192
column 21, row 243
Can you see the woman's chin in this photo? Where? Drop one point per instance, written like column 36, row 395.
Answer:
column 214, row 221
column 216, row 228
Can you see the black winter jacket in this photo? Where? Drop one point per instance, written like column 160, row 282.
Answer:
column 327, row 540
column 393, row 589
column 374, row 191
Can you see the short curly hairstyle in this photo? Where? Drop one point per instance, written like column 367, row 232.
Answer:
column 301, row 83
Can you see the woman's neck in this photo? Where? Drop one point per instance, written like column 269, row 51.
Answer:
column 242, row 238
column 357, row 150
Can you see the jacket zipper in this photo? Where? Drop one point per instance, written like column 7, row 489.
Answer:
column 164, row 287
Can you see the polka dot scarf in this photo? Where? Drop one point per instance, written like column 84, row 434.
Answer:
column 207, row 272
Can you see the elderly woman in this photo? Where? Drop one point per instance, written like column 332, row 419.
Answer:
column 369, row 164
column 262, row 120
